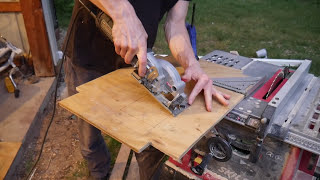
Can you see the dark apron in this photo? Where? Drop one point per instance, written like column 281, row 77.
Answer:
column 89, row 53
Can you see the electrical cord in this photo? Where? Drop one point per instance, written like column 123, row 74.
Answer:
column 32, row 171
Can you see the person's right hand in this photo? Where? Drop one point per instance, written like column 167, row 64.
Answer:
column 130, row 39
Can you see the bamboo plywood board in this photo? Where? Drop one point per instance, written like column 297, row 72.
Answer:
column 8, row 151
column 119, row 106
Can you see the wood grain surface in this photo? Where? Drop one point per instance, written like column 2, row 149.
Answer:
column 10, row 7
column 8, row 151
column 122, row 108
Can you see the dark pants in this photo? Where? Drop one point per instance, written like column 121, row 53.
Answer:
column 93, row 147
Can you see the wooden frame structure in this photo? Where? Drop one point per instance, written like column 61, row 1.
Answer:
column 36, row 32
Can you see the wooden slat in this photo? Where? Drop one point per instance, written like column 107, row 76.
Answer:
column 119, row 106
column 10, row 7
column 133, row 173
column 37, row 37
column 120, row 164
column 8, row 151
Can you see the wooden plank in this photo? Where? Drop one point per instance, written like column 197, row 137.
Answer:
column 37, row 37
column 13, row 29
column 8, row 151
column 133, row 173
column 119, row 106
column 10, row 7
column 120, row 164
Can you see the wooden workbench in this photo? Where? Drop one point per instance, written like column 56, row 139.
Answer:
column 122, row 108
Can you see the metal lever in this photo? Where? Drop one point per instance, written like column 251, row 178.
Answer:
column 199, row 169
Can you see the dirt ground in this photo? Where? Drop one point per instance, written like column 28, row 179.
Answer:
column 61, row 157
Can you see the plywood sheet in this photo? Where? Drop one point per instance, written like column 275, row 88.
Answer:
column 8, row 151
column 119, row 106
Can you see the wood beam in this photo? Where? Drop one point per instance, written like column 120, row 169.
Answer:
column 10, row 7
column 37, row 36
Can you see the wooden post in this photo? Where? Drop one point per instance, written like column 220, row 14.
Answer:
column 37, row 37
column 10, row 7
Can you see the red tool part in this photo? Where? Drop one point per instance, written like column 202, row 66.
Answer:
column 261, row 93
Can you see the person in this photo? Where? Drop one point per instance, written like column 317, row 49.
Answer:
column 90, row 55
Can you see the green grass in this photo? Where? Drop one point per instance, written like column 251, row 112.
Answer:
column 287, row 29
column 63, row 11
column 114, row 147
column 81, row 171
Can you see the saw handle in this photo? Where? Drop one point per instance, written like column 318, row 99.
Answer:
column 105, row 24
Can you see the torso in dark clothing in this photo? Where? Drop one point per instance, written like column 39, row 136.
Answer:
column 150, row 13
column 89, row 49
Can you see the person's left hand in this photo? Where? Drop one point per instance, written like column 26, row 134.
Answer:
column 194, row 72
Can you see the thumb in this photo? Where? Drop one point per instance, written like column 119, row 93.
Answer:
column 186, row 77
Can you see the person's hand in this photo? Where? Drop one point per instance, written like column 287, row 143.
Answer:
column 130, row 39
column 194, row 72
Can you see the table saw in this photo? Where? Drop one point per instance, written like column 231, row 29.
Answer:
column 273, row 133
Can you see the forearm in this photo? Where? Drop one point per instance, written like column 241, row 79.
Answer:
column 116, row 9
column 128, row 34
column 179, row 43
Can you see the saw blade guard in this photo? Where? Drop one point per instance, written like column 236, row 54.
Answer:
column 163, row 76
column 164, row 82
column 174, row 84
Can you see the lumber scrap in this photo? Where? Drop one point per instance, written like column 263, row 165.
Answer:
column 133, row 173
column 8, row 151
column 119, row 106
column 120, row 164
column 10, row 7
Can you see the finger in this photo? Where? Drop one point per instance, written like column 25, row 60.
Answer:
column 197, row 89
column 208, row 97
column 123, row 53
column 124, row 49
column 117, row 47
column 142, row 58
column 226, row 96
column 129, row 56
column 220, row 97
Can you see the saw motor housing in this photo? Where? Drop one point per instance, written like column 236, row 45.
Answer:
column 163, row 81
